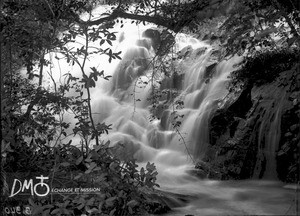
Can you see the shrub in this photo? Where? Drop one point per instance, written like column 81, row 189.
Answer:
column 264, row 67
column 124, row 190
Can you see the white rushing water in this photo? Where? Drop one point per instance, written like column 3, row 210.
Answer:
column 114, row 102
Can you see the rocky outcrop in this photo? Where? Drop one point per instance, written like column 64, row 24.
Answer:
column 162, row 40
column 256, row 135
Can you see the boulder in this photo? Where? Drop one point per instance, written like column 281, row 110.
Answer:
column 154, row 35
column 250, row 134
column 162, row 40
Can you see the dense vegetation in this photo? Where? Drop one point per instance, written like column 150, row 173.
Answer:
column 32, row 124
column 32, row 116
column 264, row 67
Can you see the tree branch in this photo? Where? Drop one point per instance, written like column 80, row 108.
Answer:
column 121, row 14
column 184, row 13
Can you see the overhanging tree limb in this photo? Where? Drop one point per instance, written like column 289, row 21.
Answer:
column 185, row 14
column 121, row 14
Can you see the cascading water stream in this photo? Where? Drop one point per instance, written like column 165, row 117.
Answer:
column 269, row 135
column 123, row 103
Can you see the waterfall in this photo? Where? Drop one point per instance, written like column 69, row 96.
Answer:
column 201, row 82
column 124, row 104
column 269, row 132
column 123, row 100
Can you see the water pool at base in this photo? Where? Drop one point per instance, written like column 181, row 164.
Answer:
column 250, row 197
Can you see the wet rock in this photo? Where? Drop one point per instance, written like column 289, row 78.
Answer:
column 213, row 38
column 157, row 207
column 205, row 37
column 295, row 95
column 199, row 51
column 250, row 122
column 154, row 35
column 130, row 68
column 167, row 41
column 185, row 52
column 203, row 166
column 156, row 138
column 161, row 202
column 205, row 170
column 294, row 127
column 165, row 119
column 288, row 134
column 199, row 173
column 175, row 81
column 216, row 54
column 123, row 149
column 178, row 80
column 216, row 175
column 284, row 149
column 210, row 70
column 240, row 131
column 161, row 40
column 295, row 102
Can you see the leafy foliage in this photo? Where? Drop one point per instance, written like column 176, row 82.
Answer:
column 32, row 116
column 264, row 67
column 254, row 25
column 30, row 29
column 249, row 26
column 124, row 190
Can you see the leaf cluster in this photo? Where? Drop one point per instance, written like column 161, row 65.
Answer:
column 264, row 67
column 254, row 25
column 33, row 138
column 29, row 112
column 124, row 189
column 29, row 28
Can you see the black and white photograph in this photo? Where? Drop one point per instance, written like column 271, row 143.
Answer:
column 150, row 107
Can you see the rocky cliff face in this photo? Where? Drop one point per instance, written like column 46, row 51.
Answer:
column 257, row 134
